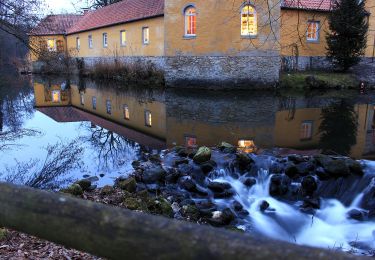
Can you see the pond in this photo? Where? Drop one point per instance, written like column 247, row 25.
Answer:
column 54, row 131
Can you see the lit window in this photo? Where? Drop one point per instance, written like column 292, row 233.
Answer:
column 313, row 28
column 148, row 118
column 60, row 46
column 108, row 106
column 51, row 45
column 248, row 146
column 56, row 96
column 146, row 35
column 105, row 40
column 78, row 43
column 190, row 21
column 123, row 38
column 249, row 26
column 190, row 141
column 90, row 41
column 82, row 97
column 306, row 130
column 94, row 103
column 126, row 112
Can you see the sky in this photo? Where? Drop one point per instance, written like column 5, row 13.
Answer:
column 64, row 6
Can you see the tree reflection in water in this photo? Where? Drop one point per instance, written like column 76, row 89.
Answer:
column 48, row 173
column 112, row 149
column 338, row 128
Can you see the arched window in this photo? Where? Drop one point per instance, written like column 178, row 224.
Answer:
column 249, row 26
column 190, row 21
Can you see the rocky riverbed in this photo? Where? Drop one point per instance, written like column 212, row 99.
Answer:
column 323, row 201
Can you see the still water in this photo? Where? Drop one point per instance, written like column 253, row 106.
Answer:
column 54, row 131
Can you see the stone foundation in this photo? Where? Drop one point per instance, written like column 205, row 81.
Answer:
column 302, row 63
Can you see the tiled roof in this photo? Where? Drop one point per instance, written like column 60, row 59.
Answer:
column 317, row 5
column 121, row 12
column 55, row 24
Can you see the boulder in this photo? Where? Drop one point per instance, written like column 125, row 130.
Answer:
column 322, row 174
column 279, row 185
column 188, row 184
column 322, row 159
column 219, row 186
column 243, row 161
column 133, row 203
column 136, row 164
column 107, row 190
column 309, row 185
column 291, row 170
column 75, row 190
column 154, row 175
column 305, row 168
column 237, row 206
column 313, row 203
column 227, row 148
column 191, row 212
column 85, row 184
column 223, row 195
column 249, row 181
column 180, row 161
column 264, row 205
column 355, row 167
column 129, row 185
column 207, row 167
column 337, row 168
column 203, row 155
column 222, row 218
column 356, row 214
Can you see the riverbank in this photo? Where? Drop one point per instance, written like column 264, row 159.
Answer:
column 226, row 188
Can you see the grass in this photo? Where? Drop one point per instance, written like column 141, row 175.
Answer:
column 318, row 80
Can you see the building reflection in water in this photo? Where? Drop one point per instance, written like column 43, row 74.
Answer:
column 252, row 121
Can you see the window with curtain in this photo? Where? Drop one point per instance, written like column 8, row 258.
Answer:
column 105, row 40
column 123, row 38
column 78, row 43
column 146, row 35
column 249, row 26
column 190, row 21
column 313, row 31
column 90, row 41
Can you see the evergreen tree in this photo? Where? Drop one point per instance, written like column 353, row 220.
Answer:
column 348, row 24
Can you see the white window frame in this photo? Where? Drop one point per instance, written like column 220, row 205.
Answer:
column 146, row 40
column 90, row 41
column 105, row 40
column 54, row 44
column 78, row 43
column 148, row 118
column 317, row 27
column 187, row 24
column 122, row 42
column 306, row 130
column 243, row 12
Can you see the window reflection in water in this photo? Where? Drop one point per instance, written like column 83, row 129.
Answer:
column 247, row 146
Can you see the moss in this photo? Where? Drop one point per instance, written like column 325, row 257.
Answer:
column 328, row 80
column 129, row 184
column 191, row 212
column 74, row 189
column 134, row 204
column 160, row 206
column 3, row 234
column 85, row 184
column 107, row 190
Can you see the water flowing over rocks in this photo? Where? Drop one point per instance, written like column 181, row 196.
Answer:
column 323, row 201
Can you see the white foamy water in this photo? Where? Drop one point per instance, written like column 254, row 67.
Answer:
column 329, row 227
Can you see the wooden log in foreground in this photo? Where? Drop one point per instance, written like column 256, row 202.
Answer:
column 117, row 233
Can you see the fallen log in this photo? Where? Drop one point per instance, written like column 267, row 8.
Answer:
column 117, row 233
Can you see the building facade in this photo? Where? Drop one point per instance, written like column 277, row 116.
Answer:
column 216, row 42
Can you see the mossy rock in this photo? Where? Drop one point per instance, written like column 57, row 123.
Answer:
column 84, row 183
column 74, row 189
column 244, row 161
column 227, row 148
column 129, row 185
column 191, row 212
column 337, row 168
column 160, row 206
column 134, row 204
column 3, row 234
column 355, row 167
column 203, row 155
column 107, row 190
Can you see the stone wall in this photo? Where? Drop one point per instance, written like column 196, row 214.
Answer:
column 222, row 71
column 302, row 63
column 158, row 61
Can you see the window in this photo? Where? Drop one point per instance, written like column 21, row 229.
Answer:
column 108, row 106
column 306, row 130
column 247, row 145
column 190, row 21
column 105, row 40
column 126, row 112
column 190, row 141
column 94, row 103
column 90, row 41
column 148, row 118
column 249, row 26
column 123, row 38
column 146, row 35
column 60, row 46
column 313, row 29
column 56, row 96
column 51, row 45
column 78, row 43
column 82, row 98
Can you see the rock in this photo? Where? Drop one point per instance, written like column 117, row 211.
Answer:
column 133, row 203
column 74, row 189
column 279, row 185
column 305, row 168
column 356, row 215
column 155, row 158
column 355, row 167
column 276, row 168
column 311, row 203
column 181, row 161
column 237, row 206
column 107, row 190
column 208, row 166
column 244, row 162
column 85, row 184
column 203, row 155
column 186, row 202
column 222, row 218
column 93, row 179
column 101, row 175
column 322, row 160
column 86, row 176
column 161, row 207
column 3, row 234
column 227, row 148
column 296, row 159
column 92, row 188
column 291, row 170
column 129, row 185
column 136, row 164
column 309, row 185
column 188, row 184
column 153, row 175
column 322, row 174
column 249, row 182
column 172, row 176
column 264, row 205
column 225, row 194
column 219, row 186
column 337, row 168
column 191, row 212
